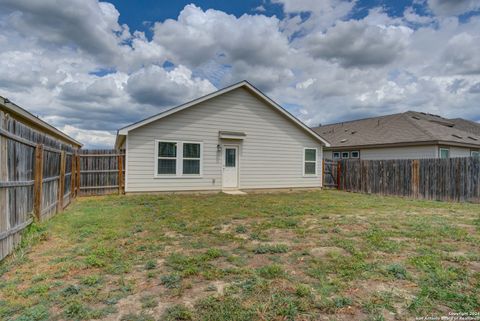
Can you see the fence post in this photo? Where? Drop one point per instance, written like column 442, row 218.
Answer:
column 72, row 178
column 38, row 182
column 4, row 207
column 61, row 183
column 77, row 182
column 339, row 168
column 120, row 174
column 415, row 177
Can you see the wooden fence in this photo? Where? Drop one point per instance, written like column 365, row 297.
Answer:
column 453, row 179
column 40, row 176
column 101, row 171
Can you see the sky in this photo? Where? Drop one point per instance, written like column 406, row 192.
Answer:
column 90, row 67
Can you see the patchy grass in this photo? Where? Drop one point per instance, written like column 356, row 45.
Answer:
column 289, row 256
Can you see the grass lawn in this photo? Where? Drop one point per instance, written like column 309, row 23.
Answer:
column 322, row 255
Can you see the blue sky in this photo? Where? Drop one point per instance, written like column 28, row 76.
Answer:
column 93, row 66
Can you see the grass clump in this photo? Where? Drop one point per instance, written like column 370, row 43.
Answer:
column 271, row 271
column 150, row 265
column 171, row 281
column 271, row 249
column 397, row 270
column 177, row 312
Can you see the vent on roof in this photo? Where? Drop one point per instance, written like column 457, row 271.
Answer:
column 472, row 138
column 343, row 140
column 416, row 117
column 457, row 136
column 354, row 132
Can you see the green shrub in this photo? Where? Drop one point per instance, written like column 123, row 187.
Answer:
column 397, row 270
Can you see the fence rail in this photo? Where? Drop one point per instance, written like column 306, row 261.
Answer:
column 453, row 179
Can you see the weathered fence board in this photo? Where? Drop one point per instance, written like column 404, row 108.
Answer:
column 101, row 172
column 453, row 179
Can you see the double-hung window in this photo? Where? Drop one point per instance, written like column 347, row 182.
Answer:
column 167, row 158
column 310, row 161
column 191, row 158
column 178, row 159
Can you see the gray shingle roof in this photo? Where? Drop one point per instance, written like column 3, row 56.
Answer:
column 403, row 128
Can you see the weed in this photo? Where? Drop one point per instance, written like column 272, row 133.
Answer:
column 397, row 270
column 148, row 301
column 171, row 281
column 241, row 229
column 271, row 249
column 150, row 265
column 178, row 312
column 271, row 271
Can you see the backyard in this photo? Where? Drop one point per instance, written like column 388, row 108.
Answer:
column 318, row 255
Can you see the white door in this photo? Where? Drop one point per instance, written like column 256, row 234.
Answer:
column 230, row 167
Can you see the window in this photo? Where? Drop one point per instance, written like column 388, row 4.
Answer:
column 336, row 155
column 444, row 153
column 345, row 155
column 178, row 159
column 355, row 154
column 230, row 157
column 167, row 158
column 191, row 159
column 310, row 161
column 475, row 153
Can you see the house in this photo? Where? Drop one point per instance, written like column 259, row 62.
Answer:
column 234, row 138
column 401, row 136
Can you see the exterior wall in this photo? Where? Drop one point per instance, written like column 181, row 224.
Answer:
column 458, row 151
column 411, row 152
column 270, row 156
column 327, row 154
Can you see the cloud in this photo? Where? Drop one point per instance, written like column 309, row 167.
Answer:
column 359, row 44
column 453, row 7
column 466, row 60
column 95, row 138
column 198, row 36
column 155, row 86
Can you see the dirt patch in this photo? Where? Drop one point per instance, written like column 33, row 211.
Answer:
column 474, row 266
column 321, row 252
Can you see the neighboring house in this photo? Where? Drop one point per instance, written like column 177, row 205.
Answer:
column 235, row 138
column 12, row 113
column 402, row 136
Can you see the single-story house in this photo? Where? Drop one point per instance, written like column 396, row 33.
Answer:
column 234, row 138
column 409, row 135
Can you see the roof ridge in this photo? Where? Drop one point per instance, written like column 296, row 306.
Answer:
column 423, row 130
column 360, row 119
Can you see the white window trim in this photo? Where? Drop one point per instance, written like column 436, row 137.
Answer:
column 179, row 159
column 355, row 151
column 316, row 162
column 440, row 152
column 472, row 152
column 341, row 154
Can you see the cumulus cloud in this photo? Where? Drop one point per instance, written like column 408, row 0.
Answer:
column 155, row 86
column 359, row 44
column 453, row 8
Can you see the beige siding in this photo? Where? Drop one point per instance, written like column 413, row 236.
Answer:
column 459, row 151
column 411, row 152
column 271, row 155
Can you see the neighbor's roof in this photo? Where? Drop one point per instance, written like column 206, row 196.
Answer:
column 405, row 128
column 245, row 84
column 35, row 122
